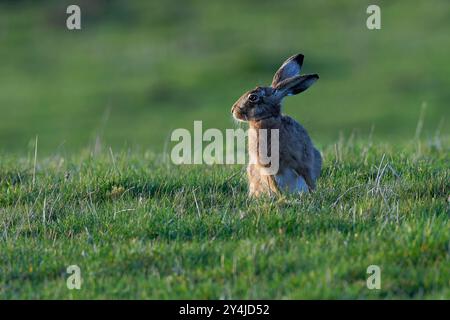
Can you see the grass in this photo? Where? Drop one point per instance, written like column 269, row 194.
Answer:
column 139, row 227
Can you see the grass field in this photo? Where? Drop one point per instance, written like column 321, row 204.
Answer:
column 98, row 190
column 141, row 228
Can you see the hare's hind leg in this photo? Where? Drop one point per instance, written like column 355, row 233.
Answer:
column 291, row 182
column 307, row 174
column 312, row 172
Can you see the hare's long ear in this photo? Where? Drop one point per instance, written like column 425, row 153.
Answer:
column 294, row 85
column 290, row 68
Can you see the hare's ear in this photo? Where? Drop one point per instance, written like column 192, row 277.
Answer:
column 295, row 85
column 290, row 68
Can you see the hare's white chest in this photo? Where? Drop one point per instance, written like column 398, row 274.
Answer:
column 290, row 181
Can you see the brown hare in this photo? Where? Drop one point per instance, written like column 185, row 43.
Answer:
column 299, row 161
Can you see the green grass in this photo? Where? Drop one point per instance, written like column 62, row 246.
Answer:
column 139, row 227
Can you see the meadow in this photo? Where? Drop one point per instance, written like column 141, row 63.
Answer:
column 85, row 124
column 139, row 227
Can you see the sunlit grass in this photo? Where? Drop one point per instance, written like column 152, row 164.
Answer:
column 140, row 227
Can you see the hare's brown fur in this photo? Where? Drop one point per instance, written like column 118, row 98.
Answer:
column 296, row 152
column 299, row 161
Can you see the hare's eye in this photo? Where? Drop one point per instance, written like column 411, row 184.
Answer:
column 253, row 97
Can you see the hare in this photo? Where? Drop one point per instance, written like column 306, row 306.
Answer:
column 299, row 161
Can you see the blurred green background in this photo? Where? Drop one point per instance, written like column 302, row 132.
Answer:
column 139, row 69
